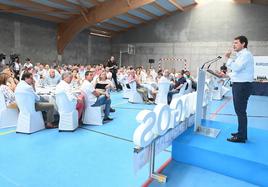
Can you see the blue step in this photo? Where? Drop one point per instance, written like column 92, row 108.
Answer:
column 247, row 162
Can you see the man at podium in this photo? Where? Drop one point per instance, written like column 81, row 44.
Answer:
column 242, row 76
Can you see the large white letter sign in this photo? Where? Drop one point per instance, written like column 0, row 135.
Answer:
column 176, row 106
column 193, row 99
column 162, row 112
column 187, row 105
column 144, row 135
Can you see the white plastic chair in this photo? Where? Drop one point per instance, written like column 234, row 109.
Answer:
column 189, row 88
column 92, row 115
column 163, row 89
column 29, row 120
column 68, row 113
column 8, row 116
column 126, row 91
column 135, row 97
column 181, row 92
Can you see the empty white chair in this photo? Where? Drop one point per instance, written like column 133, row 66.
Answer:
column 29, row 120
column 8, row 116
column 92, row 115
column 135, row 97
column 163, row 89
column 68, row 113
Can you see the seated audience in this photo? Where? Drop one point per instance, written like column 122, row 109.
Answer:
column 52, row 79
column 28, row 63
column 12, row 81
column 103, row 84
column 95, row 97
column 7, row 92
column 65, row 87
column 188, row 76
column 26, row 85
column 75, row 83
column 140, row 89
column 177, row 86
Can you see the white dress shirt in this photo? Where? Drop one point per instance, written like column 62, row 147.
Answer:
column 25, row 87
column 17, row 66
column 88, row 89
column 163, row 79
column 28, row 65
column 52, row 81
column 65, row 88
column 242, row 66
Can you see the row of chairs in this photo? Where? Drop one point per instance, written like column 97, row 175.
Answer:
column 161, row 98
column 28, row 120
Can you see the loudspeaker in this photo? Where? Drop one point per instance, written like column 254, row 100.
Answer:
column 151, row 61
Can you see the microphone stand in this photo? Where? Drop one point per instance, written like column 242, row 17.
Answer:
column 211, row 61
column 218, row 58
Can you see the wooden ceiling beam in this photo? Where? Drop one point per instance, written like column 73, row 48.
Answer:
column 67, row 4
column 36, row 5
column 135, row 17
column 147, row 13
column 162, row 9
column 177, row 5
column 118, row 20
column 110, row 25
column 95, row 2
column 11, row 9
column 105, row 10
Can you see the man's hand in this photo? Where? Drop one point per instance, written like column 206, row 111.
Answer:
column 228, row 54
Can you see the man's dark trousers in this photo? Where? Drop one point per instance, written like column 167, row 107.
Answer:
column 241, row 92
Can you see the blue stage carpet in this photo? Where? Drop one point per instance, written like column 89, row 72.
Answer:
column 185, row 175
column 248, row 162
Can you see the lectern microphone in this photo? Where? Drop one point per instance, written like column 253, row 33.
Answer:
column 218, row 58
column 211, row 61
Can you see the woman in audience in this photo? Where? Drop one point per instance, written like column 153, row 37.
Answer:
column 140, row 89
column 7, row 92
column 104, row 86
column 76, row 79
column 12, row 81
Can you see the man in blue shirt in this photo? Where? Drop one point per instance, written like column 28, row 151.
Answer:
column 242, row 67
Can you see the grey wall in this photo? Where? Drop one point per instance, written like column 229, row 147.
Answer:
column 37, row 39
column 197, row 35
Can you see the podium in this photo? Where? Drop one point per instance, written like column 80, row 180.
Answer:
column 203, row 97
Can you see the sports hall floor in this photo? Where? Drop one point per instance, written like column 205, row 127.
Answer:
column 102, row 156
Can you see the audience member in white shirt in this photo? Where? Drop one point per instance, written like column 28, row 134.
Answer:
column 65, row 86
column 94, row 97
column 28, row 63
column 26, row 85
column 52, row 79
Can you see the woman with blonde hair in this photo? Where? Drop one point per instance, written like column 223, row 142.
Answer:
column 6, row 91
